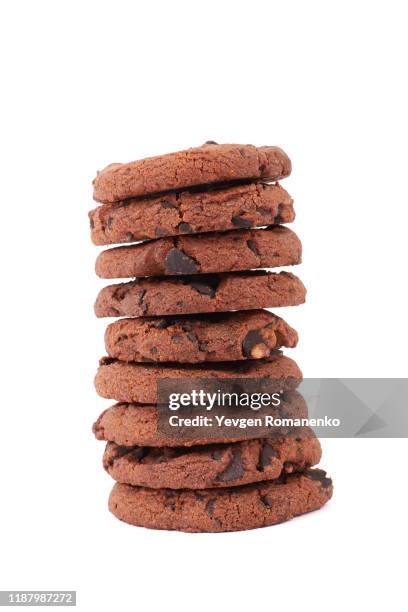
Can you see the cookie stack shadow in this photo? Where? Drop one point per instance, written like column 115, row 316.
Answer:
column 195, row 308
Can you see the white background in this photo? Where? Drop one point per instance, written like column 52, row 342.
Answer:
column 85, row 84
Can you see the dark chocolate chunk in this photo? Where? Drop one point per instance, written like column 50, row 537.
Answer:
column 319, row 475
column 267, row 453
column 167, row 204
column 91, row 222
column 266, row 501
column 203, row 288
column 177, row 262
column 109, row 222
column 253, row 338
column 251, row 245
column 234, row 469
column 241, row 222
column 192, row 337
column 210, row 142
column 159, row 232
column 216, row 455
column 185, row 228
column 135, row 453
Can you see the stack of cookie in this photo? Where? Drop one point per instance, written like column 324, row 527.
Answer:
column 194, row 309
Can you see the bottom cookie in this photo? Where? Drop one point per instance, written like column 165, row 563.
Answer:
column 216, row 510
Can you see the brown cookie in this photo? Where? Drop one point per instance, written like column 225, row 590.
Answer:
column 136, row 382
column 175, row 214
column 232, row 336
column 202, row 293
column 214, row 465
column 228, row 509
column 136, row 424
column 210, row 163
column 215, row 252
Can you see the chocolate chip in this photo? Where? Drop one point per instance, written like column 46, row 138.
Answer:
column 159, row 232
column 210, row 142
column 203, row 346
column 251, row 245
column 176, row 338
column 234, row 469
column 266, row 454
column 177, row 262
column 241, row 222
column 252, row 340
column 203, row 289
column 167, row 204
column 135, row 453
column 120, row 292
column 266, row 501
column 91, row 222
column 210, row 507
column 319, row 475
column 192, row 337
column 264, row 211
column 153, row 350
column 109, row 222
column 130, row 237
column 185, row 228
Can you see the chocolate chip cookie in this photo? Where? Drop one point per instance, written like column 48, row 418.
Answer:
column 210, row 163
column 202, row 293
column 175, row 214
column 215, row 252
column 214, row 465
column 137, row 382
column 232, row 336
column 225, row 509
column 136, row 425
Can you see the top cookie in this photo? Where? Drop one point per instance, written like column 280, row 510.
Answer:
column 210, row 163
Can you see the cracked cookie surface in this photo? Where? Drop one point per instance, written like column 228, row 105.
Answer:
column 176, row 214
column 214, row 252
column 200, row 294
column 207, row 164
column 252, row 334
column 228, row 509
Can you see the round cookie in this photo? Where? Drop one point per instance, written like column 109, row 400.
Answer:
column 210, row 163
column 215, row 252
column 198, row 294
column 214, row 465
column 231, row 336
column 136, row 425
column 175, row 214
column 137, row 382
column 229, row 509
